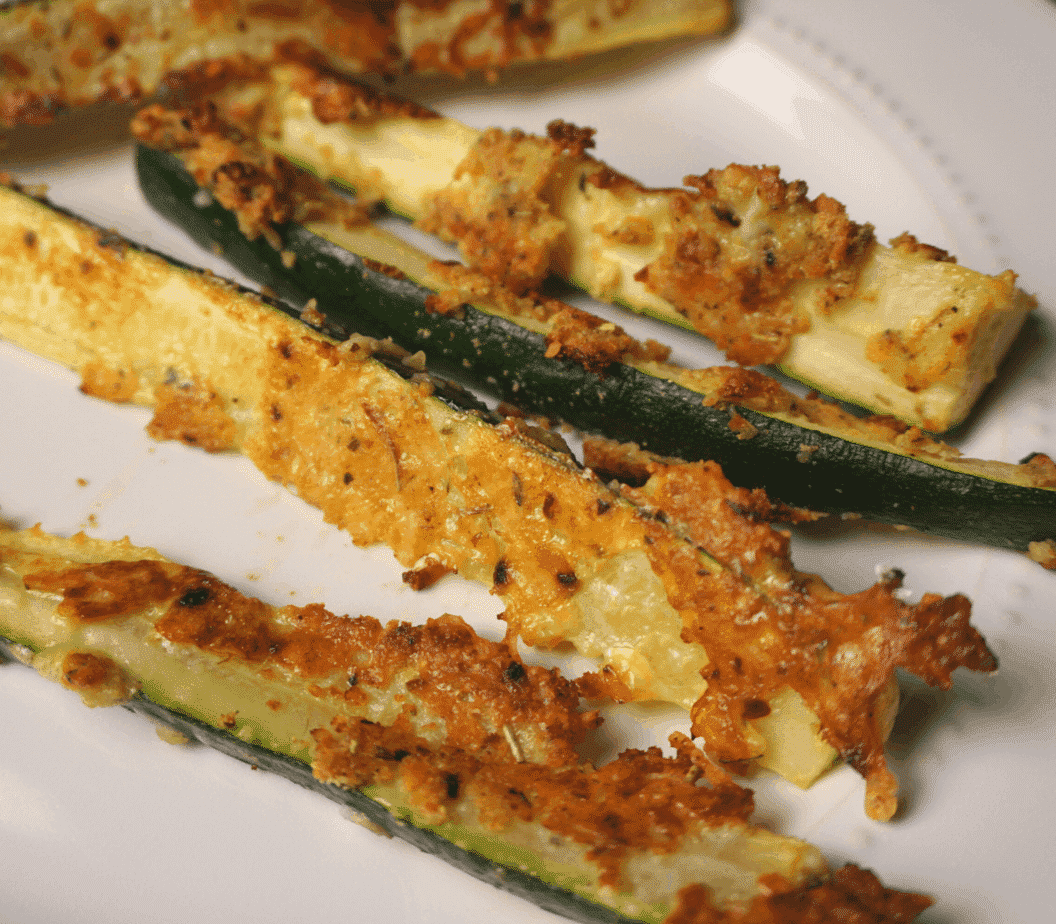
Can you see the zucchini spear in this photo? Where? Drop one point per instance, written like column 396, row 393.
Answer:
column 308, row 245
column 430, row 733
column 741, row 255
column 387, row 461
column 67, row 53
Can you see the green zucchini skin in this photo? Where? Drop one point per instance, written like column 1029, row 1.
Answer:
column 549, row 897
column 504, row 359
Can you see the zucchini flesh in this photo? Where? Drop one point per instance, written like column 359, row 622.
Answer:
column 572, row 561
column 743, row 256
column 122, row 625
column 67, row 53
column 837, row 465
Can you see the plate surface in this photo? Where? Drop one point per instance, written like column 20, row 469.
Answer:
column 929, row 118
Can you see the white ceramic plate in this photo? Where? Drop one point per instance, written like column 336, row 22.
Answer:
column 933, row 118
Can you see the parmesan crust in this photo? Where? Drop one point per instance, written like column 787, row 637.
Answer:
column 833, row 638
column 732, row 281
column 500, row 209
column 70, row 53
column 411, row 676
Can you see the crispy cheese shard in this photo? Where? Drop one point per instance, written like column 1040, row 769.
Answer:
column 433, row 724
column 389, row 462
column 67, row 53
column 739, row 254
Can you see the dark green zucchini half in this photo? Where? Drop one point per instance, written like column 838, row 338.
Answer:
column 797, row 465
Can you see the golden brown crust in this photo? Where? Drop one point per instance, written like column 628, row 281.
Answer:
column 192, row 414
column 336, row 99
column 738, row 240
column 640, row 802
column 848, row 894
column 571, row 333
column 108, row 590
column 734, row 286
column 260, row 188
column 65, row 53
column 526, row 33
column 479, row 691
column 117, row 385
column 587, row 340
column 426, row 575
column 204, row 78
column 502, row 217
column 908, row 244
column 97, row 679
column 613, row 461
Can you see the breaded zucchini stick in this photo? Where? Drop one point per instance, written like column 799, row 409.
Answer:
column 389, row 462
column 432, row 733
column 66, row 53
column 740, row 254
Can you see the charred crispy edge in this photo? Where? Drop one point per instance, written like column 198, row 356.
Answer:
column 799, row 466
column 552, row 898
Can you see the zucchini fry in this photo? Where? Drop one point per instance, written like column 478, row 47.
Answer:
column 741, row 255
column 415, row 728
column 68, row 53
column 389, row 462
column 297, row 237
